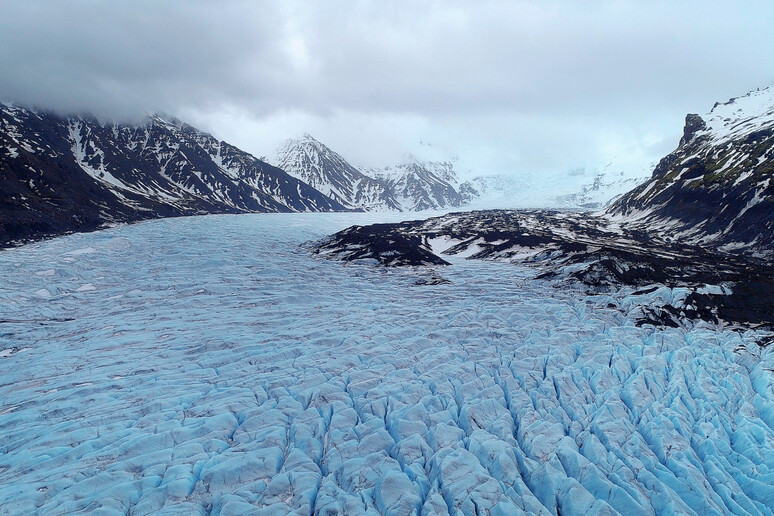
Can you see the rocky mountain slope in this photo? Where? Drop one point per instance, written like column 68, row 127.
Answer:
column 715, row 188
column 312, row 162
column 62, row 174
column 446, row 168
column 581, row 249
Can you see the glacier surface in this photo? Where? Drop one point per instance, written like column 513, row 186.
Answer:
column 212, row 365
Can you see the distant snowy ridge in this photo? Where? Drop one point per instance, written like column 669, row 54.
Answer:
column 610, row 182
column 715, row 188
column 582, row 188
column 74, row 173
column 412, row 185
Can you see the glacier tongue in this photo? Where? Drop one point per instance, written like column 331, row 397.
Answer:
column 213, row 367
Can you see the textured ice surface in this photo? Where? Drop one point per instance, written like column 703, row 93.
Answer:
column 212, row 366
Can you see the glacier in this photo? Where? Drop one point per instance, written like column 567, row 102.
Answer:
column 213, row 365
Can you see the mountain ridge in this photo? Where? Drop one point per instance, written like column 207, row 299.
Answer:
column 411, row 185
column 314, row 163
column 75, row 173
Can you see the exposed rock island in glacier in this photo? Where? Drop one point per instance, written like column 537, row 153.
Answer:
column 167, row 367
column 596, row 252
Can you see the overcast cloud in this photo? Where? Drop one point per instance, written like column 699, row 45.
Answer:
column 508, row 86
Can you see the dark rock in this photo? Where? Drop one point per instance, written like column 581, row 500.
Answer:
column 584, row 250
column 716, row 188
column 693, row 124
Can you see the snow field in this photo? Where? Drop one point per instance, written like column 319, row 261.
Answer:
column 211, row 366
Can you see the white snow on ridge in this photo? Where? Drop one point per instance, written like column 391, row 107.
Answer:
column 741, row 115
column 210, row 374
column 582, row 188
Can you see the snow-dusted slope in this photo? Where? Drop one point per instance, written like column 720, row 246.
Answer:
column 445, row 164
column 716, row 188
column 275, row 383
column 576, row 248
column 413, row 185
column 446, row 169
column 312, row 162
column 64, row 174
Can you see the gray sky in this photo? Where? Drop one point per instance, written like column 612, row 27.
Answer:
column 507, row 86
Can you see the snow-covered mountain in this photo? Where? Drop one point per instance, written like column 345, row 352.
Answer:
column 446, row 169
column 579, row 188
column 417, row 187
column 715, row 188
column 75, row 173
column 610, row 182
column 312, row 162
column 412, row 185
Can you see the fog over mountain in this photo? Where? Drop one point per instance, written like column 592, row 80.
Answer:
column 509, row 86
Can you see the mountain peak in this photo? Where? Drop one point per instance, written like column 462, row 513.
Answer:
column 412, row 184
column 314, row 163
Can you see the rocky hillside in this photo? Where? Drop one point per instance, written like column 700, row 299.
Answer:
column 715, row 188
column 62, row 174
column 578, row 249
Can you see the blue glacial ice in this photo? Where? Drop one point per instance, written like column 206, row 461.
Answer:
column 213, row 366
